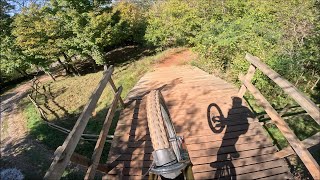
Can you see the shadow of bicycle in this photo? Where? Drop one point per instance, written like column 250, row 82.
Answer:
column 230, row 127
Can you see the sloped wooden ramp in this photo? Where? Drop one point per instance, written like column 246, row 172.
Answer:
column 237, row 143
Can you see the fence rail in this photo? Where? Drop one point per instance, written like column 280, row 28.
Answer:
column 300, row 148
column 65, row 152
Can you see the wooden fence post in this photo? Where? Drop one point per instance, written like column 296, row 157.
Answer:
column 113, row 86
column 102, row 137
column 248, row 77
column 293, row 140
column 63, row 153
column 287, row 87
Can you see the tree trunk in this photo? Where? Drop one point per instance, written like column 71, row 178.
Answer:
column 94, row 64
column 64, row 66
column 70, row 66
column 79, row 74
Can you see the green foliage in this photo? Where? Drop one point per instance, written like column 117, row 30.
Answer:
column 12, row 57
column 36, row 34
column 132, row 21
column 70, row 28
column 97, row 30
column 13, row 61
column 172, row 23
column 5, row 19
column 222, row 32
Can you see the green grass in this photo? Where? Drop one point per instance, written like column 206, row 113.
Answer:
column 64, row 100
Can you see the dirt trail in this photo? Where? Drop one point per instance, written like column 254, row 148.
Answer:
column 178, row 58
column 17, row 148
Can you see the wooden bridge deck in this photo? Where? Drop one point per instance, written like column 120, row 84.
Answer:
column 240, row 144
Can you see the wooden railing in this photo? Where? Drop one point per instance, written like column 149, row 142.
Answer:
column 65, row 152
column 300, row 148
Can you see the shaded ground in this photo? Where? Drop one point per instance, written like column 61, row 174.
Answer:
column 15, row 127
column 17, row 148
column 20, row 150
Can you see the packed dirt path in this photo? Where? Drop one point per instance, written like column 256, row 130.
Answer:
column 15, row 126
column 18, row 150
column 176, row 59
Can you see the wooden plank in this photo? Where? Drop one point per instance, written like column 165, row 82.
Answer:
column 249, row 76
column 259, row 152
column 181, row 94
column 64, row 152
column 251, row 174
column 199, row 153
column 309, row 142
column 102, row 137
column 287, row 87
column 124, row 177
column 84, row 161
column 131, row 124
column 227, row 149
column 256, row 130
column 133, row 142
column 213, row 138
column 285, row 175
column 113, row 86
column 242, row 166
column 195, row 131
column 264, row 173
column 130, row 156
column 293, row 140
column 117, row 140
column 229, row 142
column 180, row 126
column 206, row 144
column 242, row 153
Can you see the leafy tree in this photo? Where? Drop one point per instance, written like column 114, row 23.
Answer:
column 98, row 31
column 132, row 22
column 36, row 33
column 41, row 34
column 172, row 23
column 11, row 57
column 5, row 19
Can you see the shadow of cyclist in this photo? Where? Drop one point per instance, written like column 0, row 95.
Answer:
column 233, row 126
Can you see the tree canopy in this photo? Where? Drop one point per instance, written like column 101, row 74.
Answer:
column 283, row 33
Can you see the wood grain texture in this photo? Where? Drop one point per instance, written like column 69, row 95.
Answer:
column 95, row 159
column 249, row 76
column 218, row 127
